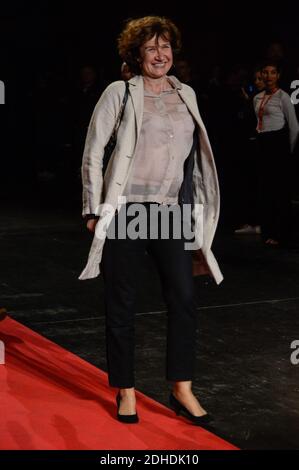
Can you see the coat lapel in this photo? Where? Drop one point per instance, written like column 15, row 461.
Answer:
column 137, row 92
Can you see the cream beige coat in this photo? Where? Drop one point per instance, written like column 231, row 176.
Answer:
column 97, row 191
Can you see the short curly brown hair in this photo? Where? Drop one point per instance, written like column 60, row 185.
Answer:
column 137, row 31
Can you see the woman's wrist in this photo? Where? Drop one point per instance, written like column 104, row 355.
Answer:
column 90, row 216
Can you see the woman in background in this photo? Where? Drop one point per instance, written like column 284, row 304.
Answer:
column 278, row 130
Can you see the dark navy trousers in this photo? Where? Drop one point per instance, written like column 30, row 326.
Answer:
column 121, row 265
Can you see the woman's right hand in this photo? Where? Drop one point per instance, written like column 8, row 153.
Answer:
column 91, row 224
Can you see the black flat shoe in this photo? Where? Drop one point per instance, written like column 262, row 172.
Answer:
column 181, row 409
column 128, row 419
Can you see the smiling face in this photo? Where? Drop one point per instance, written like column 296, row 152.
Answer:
column 156, row 57
column 270, row 76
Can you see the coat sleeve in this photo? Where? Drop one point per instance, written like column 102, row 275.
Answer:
column 290, row 115
column 99, row 131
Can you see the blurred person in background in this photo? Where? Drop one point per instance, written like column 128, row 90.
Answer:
column 277, row 129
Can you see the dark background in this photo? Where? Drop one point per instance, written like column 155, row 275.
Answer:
column 50, row 41
column 62, row 34
column 59, row 36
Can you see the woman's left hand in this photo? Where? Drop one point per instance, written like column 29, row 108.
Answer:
column 91, row 224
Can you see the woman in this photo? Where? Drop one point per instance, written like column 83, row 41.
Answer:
column 152, row 165
column 249, row 170
column 278, row 130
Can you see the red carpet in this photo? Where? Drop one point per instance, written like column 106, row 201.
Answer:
column 51, row 399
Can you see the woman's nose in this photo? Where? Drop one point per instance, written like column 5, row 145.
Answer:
column 158, row 52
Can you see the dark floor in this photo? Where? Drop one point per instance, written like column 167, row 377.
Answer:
column 244, row 375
